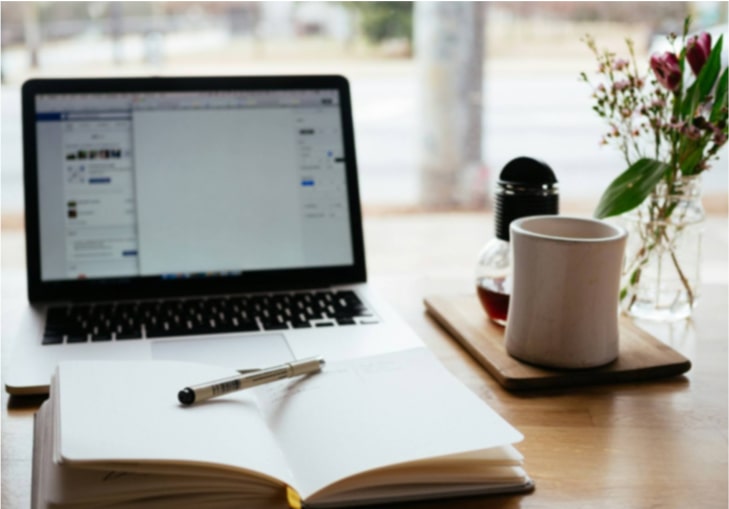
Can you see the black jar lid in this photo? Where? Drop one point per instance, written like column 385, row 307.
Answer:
column 526, row 187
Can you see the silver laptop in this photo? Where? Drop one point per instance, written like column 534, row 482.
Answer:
column 211, row 219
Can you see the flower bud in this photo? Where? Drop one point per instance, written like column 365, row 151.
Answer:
column 667, row 70
column 700, row 122
column 698, row 50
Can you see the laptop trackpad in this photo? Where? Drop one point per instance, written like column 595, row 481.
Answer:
column 237, row 352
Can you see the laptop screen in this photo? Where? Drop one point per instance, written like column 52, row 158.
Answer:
column 190, row 184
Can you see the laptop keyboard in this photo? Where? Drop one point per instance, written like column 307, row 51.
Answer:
column 194, row 316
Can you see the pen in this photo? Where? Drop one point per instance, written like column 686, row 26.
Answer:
column 202, row 392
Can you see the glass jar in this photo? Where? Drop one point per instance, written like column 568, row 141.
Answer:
column 661, row 273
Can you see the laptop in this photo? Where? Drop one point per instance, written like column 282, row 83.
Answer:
column 206, row 219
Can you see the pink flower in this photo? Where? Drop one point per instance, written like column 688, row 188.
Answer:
column 620, row 64
column 621, row 85
column 693, row 133
column 719, row 137
column 697, row 51
column 667, row 70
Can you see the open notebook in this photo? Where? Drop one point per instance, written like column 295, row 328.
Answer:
column 381, row 429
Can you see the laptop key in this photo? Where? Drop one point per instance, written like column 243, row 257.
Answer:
column 52, row 339
column 349, row 296
column 274, row 326
column 58, row 324
column 157, row 332
column 323, row 324
column 244, row 326
column 128, row 335
column 161, row 332
column 161, row 329
column 77, row 338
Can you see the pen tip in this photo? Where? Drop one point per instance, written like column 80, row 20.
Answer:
column 186, row 396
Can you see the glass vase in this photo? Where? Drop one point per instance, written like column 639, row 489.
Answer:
column 663, row 255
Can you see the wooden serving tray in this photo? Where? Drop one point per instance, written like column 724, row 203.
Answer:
column 641, row 356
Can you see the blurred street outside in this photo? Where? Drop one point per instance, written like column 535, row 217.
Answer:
column 534, row 104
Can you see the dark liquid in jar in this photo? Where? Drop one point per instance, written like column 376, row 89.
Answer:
column 494, row 299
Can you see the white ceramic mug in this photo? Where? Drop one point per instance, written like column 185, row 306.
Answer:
column 563, row 310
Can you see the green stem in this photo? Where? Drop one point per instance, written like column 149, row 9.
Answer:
column 684, row 280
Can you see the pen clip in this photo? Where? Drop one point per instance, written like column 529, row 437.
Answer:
column 246, row 371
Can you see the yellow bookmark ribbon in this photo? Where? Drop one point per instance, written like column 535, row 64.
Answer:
column 293, row 498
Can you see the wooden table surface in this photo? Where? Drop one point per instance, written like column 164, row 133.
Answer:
column 661, row 444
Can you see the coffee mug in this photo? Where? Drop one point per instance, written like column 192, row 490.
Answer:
column 563, row 311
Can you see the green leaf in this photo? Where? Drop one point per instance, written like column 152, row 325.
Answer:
column 704, row 83
column 690, row 153
column 720, row 97
column 693, row 154
column 631, row 187
column 623, row 293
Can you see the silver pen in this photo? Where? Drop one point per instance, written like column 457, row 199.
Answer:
column 202, row 392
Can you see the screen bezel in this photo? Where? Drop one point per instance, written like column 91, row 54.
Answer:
column 143, row 287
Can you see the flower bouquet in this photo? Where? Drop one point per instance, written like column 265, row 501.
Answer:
column 669, row 122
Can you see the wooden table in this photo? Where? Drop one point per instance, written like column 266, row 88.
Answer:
column 661, row 444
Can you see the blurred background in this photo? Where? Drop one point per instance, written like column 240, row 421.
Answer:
column 444, row 93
